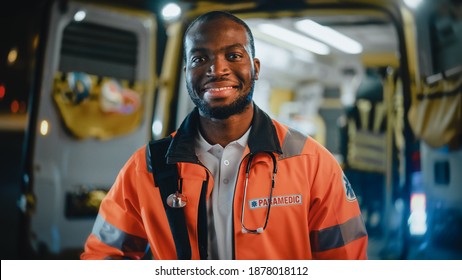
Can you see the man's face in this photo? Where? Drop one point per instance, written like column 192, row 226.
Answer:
column 220, row 72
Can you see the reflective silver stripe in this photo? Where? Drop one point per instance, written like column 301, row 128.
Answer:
column 148, row 158
column 117, row 238
column 293, row 144
column 337, row 236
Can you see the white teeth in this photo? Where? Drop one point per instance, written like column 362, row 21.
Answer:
column 220, row 89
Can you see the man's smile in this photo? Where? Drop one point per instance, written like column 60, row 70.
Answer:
column 219, row 92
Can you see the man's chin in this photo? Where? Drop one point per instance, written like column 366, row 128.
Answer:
column 223, row 112
column 220, row 113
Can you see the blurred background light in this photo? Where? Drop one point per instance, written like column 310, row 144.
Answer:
column 157, row 128
column 2, row 91
column 329, row 36
column 12, row 56
column 171, row 12
column 413, row 4
column 44, row 127
column 418, row 218
column 294, row 38
column 80, row 15
column 14, row 106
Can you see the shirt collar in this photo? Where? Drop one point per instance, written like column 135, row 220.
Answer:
column 202, row 146
column 262, row 137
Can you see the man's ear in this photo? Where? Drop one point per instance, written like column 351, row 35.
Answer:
column 256, row 67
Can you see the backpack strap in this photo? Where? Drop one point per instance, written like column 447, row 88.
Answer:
column 166, row 179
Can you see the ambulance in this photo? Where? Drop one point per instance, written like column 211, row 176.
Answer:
column 378, row 83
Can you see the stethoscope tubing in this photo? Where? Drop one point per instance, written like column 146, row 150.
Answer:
column 246, row 184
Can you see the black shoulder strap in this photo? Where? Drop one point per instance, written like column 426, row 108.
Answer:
column 166, row 179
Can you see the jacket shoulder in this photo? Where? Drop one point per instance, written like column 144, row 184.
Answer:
column 295, row 142
column 137, row 161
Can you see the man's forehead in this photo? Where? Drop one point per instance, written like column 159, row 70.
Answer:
column 202, row 28
column 211, row 22
column 204, row 32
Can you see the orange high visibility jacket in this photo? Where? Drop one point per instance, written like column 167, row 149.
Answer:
column 314, row 213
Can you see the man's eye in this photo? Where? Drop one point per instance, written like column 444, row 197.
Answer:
column 235, row 56
column 197, row 59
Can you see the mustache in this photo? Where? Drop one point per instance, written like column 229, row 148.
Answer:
column 216, row 79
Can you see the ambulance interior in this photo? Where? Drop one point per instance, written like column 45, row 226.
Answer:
column 334, row 74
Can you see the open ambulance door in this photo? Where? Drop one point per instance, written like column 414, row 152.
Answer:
column 435, row 117
column 93, row 111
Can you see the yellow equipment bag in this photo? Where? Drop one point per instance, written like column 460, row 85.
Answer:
column 436, row 114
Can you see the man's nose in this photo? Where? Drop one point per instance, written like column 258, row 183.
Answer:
column 218, row 67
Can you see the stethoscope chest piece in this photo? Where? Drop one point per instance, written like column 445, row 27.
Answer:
column 177, row 200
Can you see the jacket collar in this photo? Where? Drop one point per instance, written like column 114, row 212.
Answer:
column 262, row 138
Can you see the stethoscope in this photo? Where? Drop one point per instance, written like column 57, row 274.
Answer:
column 246, row 184
column 178, row 200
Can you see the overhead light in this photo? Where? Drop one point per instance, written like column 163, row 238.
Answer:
column 329, row 36
column 80, row 15
column 413, row 4
column 171, row 12
column 294, row 38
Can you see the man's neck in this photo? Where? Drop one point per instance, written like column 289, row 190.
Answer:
column 225, row 131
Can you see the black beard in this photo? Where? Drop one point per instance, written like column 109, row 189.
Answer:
column 224, row 112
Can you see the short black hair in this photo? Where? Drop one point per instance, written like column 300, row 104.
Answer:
column 221, row 14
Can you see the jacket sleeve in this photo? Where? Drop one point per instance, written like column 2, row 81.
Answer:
column 337, row 230
column 118, row 231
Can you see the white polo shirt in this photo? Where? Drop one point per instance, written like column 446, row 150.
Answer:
column 223, row 163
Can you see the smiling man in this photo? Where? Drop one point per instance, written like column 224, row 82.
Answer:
column 220, row 75
column 230, row 183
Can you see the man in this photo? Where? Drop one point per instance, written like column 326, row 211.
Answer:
column 248, row 187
